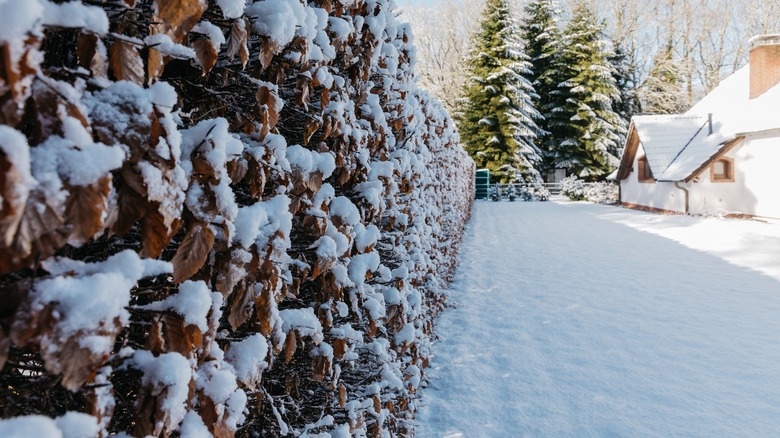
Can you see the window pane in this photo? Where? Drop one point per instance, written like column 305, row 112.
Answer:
column 720, row 168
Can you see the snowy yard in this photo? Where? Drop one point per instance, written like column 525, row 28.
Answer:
column 574, row 319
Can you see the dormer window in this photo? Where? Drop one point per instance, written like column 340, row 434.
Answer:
column 644, row 174
column 722, row 170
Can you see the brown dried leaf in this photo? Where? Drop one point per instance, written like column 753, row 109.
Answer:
column 320, row 367
column 303, row 92
column 339, row 348
column 178, row 336
column 86, row 47
column 342, row 395
column 13, row 200
column 205, row 54
column 155, row 64
column 214, row 419
column 131, row 206
column 203, row 167
column 240, row 309
column 264, row 305
column 267, row 50
column 325, row 99
column 154, row 233
column 39, row 234
column 193, row 251
column 268, row 99
column 237, row 43
column 84, row 209
column 290, row 346
column 309, row 128
column 377, row 404
column 126, row 62
column 179, row 16
column 91, row 54
column 237, row 170
column 17, row 64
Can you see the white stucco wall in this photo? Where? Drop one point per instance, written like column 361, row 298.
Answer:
column 662, row 195
column 755, row 190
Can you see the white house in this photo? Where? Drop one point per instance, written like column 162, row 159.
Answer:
column 720, row 157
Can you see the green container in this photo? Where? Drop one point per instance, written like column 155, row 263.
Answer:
column 482, row 186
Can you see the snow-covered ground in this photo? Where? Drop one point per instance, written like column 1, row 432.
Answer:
column 573, row 319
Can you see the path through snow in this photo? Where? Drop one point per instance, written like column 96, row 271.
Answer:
column 571, row 321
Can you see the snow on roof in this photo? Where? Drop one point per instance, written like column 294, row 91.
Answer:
column 699, row 149
column 677, row 145
column 664, row 137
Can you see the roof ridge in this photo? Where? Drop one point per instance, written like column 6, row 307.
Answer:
column 685, row 147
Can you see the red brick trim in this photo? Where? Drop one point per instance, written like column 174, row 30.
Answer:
column 648, row 209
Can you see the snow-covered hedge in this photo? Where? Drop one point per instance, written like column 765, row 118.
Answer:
column 598, row 192
column 219, row 216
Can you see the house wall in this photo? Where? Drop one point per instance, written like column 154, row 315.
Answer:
column 657, row 196
column 720, row 198
column 755, row 188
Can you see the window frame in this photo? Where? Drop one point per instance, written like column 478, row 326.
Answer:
column 644, row 173
column 728, row 166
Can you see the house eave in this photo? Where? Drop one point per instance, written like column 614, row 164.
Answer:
column 726, row 146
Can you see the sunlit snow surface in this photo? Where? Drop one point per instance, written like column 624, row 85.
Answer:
column 573, row 319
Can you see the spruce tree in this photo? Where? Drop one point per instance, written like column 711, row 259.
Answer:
column 542, row 38
column 593, row 136
column 625, row 78
column 497, row 117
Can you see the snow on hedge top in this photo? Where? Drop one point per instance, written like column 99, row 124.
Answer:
column 277, row 19
column 14, row 145
column 78, row 162
column 309, row 161
column 168, row 374
column 75, row 14
column 342, row 207
column 248, row 358
column 77, row 425
column 70, row 425
column 17, row 18
column 165, row 45
column 88, row 294
column 29, row 426
column 216, row 37
column 232, row 8
column 193, row 302
column 225, row 144
column 193, row 427
column 304, row 321
column 259, row 222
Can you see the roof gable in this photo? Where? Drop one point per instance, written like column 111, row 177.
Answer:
column 664, row 138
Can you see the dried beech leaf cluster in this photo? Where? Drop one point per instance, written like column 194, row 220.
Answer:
column 220, row 217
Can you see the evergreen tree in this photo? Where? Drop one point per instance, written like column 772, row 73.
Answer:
column 662, row 90
column 497, row 118
column 593, row 135
column 625, row 78
column 542, row 38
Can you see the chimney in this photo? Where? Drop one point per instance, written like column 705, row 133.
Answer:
column 764, row 63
